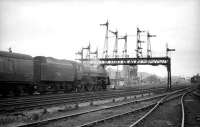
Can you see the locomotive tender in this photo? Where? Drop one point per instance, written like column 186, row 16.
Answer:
column 20, row 73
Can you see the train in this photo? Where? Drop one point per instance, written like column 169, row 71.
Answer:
column 22, row 74
column 195, row 79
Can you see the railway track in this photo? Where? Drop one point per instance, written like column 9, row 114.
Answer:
column 137, row 88
column 144, row 120
column 148, row 109
column 153, row 104
column 25, row 103
column 183, row 110
column 190, row 110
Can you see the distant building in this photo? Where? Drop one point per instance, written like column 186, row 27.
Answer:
column 125, row 77
column 129, row 74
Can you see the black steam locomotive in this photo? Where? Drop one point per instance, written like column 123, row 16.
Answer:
column 22, row 74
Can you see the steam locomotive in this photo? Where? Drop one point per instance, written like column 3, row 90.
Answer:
column 22, row 74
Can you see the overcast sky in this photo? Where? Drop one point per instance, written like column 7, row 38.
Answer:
column 59, row 28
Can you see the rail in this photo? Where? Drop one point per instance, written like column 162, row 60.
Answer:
column 101, row 120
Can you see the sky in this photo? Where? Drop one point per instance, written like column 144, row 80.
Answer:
column 60, row 28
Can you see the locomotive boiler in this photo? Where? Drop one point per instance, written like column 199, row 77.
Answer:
column 22, row 74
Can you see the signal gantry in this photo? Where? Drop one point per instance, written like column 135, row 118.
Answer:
column 125, row 59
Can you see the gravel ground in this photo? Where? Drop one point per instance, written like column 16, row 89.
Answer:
column 11, row 121
column 192, row 109
column 75, row 121
column 23, row 117
column 167, row 115
column 123, row 121
column 78, row 120
column 159, row 118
